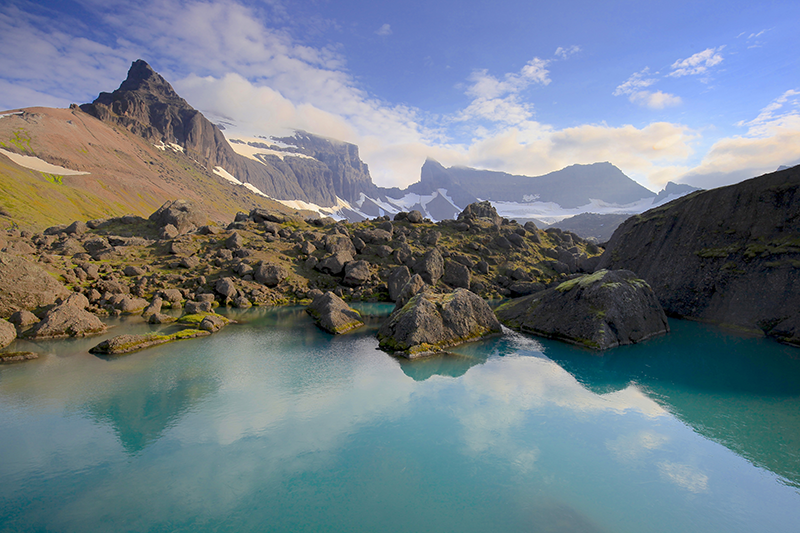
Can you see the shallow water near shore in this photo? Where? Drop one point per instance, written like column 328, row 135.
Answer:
column 272, row 425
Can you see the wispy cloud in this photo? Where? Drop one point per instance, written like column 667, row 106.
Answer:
column 635, row 88
column 770, row 116
column 384, row 30
column 564, row 53
column 698, row 63
column 498, row 100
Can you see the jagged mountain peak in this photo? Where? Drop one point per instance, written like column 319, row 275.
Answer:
column 147, row 84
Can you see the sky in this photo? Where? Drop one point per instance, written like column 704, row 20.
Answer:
column 699, row 92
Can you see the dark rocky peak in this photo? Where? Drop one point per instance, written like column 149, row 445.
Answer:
column 147, row 84
column 674, row 189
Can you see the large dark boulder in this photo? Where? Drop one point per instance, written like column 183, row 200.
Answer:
column 333, row 315
column 598, row 311
column 429, row 323
column 457, row 275
column 729, row 255
column 397, row 280
column 430, row 266
column 270, row 275
column 184, row 215
column 480, row 210
column 356, row 273
column 24, row 285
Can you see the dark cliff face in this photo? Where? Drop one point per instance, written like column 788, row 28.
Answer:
column 729, row 255
column 146, row 104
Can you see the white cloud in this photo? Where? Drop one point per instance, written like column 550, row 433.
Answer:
column 498, row 100
column 698, row 63
column 634, row 87
column 655, row 100
column 564, row 53
column 384, row 30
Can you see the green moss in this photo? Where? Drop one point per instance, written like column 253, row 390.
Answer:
column 712, row 253
column 582, row 281
column 196, row 318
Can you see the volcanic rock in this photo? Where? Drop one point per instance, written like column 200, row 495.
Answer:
column 430, row 323
column 599, row 311
column 66, row 320
column 24, row 285
column 333, row 315
column 7, row 333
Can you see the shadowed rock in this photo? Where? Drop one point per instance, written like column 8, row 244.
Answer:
column 184, row 215
column 430, row 266
column 333, row 315
column 397, row 280
column 598, row 311
column 430, row 323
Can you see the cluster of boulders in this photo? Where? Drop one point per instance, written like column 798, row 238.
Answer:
column 59, row 282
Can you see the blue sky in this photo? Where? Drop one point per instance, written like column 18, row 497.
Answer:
column 702, row 92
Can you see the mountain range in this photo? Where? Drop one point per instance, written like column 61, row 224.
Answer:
column 134, row 148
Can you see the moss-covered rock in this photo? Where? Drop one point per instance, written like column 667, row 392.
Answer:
column 131, row 343
column 429, row 323
column 333, row 315
column 597, row 311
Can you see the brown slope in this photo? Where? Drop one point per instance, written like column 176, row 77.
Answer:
column 729, row 255
column 127, row 174
column 147, row 105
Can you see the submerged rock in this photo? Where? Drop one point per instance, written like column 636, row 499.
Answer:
column 333, row 315
column 131, row 343
column 17, row 357
column 598, row 311
column 429, row 323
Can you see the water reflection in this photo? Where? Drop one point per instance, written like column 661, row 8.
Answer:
column 741, row 392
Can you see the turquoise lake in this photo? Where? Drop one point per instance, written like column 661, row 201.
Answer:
column 272, row 425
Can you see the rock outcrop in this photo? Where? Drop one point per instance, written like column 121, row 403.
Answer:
column 333, row 315
column 24, row 285
column 729, row 255
column 122, row 344
column 598, row 311
column 429, row 323
column 66, row 320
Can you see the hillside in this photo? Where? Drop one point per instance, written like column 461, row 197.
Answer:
column 729, row 255
column 107, row 171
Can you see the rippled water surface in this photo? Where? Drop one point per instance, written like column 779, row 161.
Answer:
column 272, row 425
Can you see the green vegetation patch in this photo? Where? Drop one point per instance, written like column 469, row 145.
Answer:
column 583, row 281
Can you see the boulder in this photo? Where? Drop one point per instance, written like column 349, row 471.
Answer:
column 192, row 308
column 129, row 305
column 173, row 296
column 480, row 210
column 185, row 215
column 154, row 308
column 456, row 275
column 212, row 323
column 340, row 244
column 23, row 319
column 7, row 333
column 429, row 323
column 413, row 286
column 184, row 246
column 430, row 266
column 225, row 287
column 160, row 318
column 234, row 242
column 397, row 280
column 270, row 275
column 333, row 315
column 24, row 285
column 66, row 320
column 415, row 217
column 133, row 270
column 598, row 311
column 334, row 264
column 356, row 273
column 17, row 357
